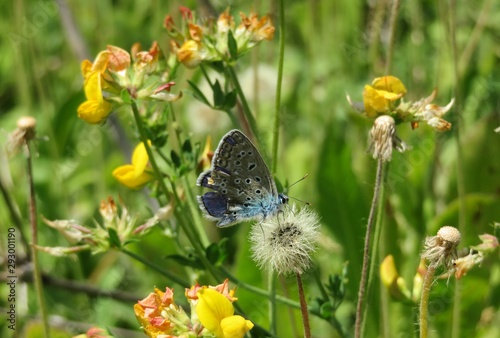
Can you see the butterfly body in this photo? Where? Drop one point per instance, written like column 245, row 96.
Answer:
column 243, row 187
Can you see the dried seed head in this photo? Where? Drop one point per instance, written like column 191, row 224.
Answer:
column 442, row 248
column 449, row 235
column 384, row 138
column 25, row 132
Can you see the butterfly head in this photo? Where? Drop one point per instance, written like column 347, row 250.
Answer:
column 283, row 199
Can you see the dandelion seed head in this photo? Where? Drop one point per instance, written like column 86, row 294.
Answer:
column 442, row 248
column 384, row 138
column 284, row 243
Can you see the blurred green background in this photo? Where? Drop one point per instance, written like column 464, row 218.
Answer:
column 332, row 48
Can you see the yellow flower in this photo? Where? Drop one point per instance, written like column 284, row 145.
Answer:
column 135, row 175
column 95, row 109
column 378, row 97
column 190, row 54
column 216, row 314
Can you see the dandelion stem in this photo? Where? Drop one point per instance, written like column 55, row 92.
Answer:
column 392, row 30
column 303, row 307
column 376, row 240
column 277, row 106
column 424, row 299
column 246, row 108
column 34, row 241
column 366, row 252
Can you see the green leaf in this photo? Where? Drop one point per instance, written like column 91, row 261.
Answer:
column 232, row 46
column 198, row 94
column 219, row 96
column 186, row 146
column 217, row 253
column 230, row 100
column 114, row 240
column 125, row 96
column 176, row 160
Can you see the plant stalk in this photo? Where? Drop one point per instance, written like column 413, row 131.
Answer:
column 34, row 241
column 366, row 252
column 303, row 307
column 424, row 300
column 277, row 106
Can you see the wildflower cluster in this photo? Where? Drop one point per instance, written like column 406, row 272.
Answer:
column 195, row 41
column 211, row 309
column 384, row 101
column 116, row 229
column 113, row 71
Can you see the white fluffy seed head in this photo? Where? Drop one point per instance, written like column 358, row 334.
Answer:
column 285, row 242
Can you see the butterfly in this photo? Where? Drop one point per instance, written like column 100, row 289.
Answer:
column 243, row 187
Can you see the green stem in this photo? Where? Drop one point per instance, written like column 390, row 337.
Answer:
column 152, row 160
column 159, row 269
column 271, row 285
column 366, row 252
column 16, row 218
column 186, row 223
column 193, row 206
column 462, row 211
column 303, row 307
column 424, row 300
column 392, row 30
column 34, row 252
column 376, row 241
column 277, row 106
column 246, row 108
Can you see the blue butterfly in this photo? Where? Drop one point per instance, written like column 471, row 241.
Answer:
column 243, row 186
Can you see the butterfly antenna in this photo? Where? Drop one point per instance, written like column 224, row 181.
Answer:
column 306, row 203
column 291, row 185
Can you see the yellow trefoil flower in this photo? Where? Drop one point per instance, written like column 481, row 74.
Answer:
column 216, row 314
column 95, row 109
column 378, row 97
column 135, row 175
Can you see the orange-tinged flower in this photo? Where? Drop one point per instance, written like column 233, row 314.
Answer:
column 262, row 29
column 378, row 97
column 119, row 59
column 190, row 54
column 135, row 175
column 95, row 109
column 225, row 22
column 216, row 314
column 195, row 32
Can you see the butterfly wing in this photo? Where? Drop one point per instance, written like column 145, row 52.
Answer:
column 243, row 186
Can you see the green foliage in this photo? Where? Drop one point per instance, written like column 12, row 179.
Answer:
column 332, row 48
